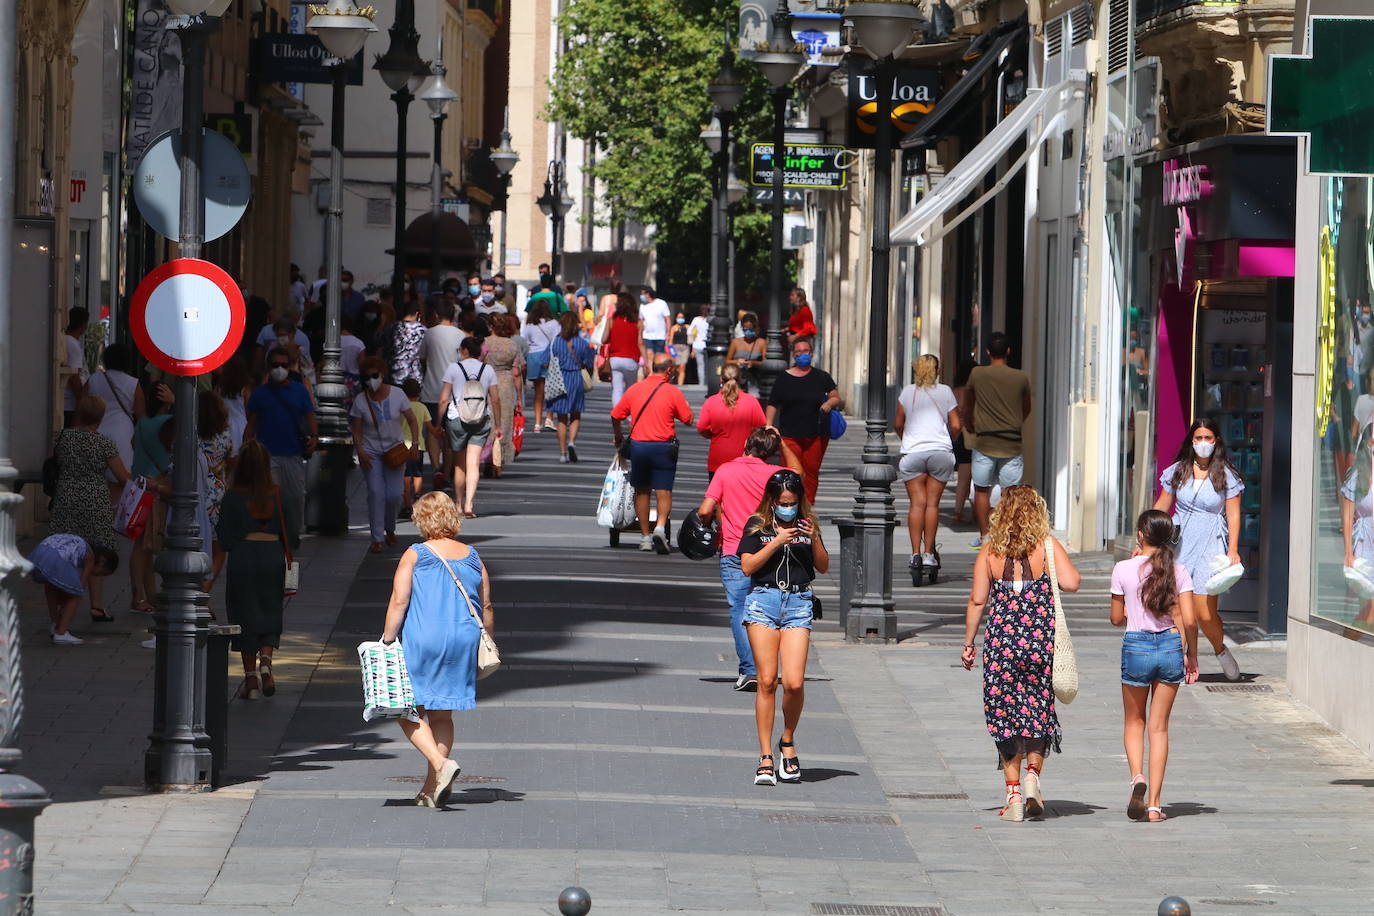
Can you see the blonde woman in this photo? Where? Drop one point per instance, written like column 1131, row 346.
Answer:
column 927, row 416
column 1011, row 581
column 727, row 418
column 781, row 552
column 430, row 614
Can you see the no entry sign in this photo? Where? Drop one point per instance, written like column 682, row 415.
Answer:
column 187, row 317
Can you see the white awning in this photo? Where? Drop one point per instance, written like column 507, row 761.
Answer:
column 1039, row 114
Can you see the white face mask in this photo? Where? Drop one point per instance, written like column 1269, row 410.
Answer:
column 1204, row 449
column 278, row 374
column 374, row 383
column 283, row 339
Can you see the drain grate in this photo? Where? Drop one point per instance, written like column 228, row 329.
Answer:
column 465, row 780
column 1238, row 901
column 1239, row 688
column 930, row 796
column 872, row 909
column 883, row 820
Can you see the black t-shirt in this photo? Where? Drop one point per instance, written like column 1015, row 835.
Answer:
column 799, row 400
column 793, row 564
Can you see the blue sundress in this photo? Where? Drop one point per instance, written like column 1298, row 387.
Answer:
column 440, row 635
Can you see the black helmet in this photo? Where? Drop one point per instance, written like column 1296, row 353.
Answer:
column 698, row 540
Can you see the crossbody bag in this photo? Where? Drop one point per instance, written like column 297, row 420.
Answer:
column 488, row 658
column 398, row 454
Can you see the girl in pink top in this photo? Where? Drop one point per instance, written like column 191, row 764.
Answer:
column 727, row 419
column 1155, row 656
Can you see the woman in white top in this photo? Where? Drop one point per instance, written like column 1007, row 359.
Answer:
column 234, row 383
column 540, row 331
column 123, row 399
column 376, row 417
column 927, row 416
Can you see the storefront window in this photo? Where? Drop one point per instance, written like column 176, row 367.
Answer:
column 1343, row 480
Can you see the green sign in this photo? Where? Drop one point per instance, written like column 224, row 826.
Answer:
column 1327, row 95
column 817, row 166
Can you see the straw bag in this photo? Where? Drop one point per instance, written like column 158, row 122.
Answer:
column 1064, row 673
column 488, row 659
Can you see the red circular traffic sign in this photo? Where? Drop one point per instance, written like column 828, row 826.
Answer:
column 187, row 316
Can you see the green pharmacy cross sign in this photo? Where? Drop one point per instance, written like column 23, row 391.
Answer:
column 1327, row 95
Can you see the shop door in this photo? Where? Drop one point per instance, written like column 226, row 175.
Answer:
column 1050, row 411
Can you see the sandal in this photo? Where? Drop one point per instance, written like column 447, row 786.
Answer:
column 424, row 800
column 98, row 615
column 246, row 692
column 142, row 606
column 1035, row 799
column 765, row 775
column 1015, row 808
column 791, row 766
column 1153, row 811
column 1135, row 808
column 269, row 683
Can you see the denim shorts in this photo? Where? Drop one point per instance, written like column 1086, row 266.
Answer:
column 994, row 472
column 1150, row 657
column 777, row 609
column 537, row 365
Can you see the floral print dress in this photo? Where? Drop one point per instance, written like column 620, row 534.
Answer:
column 1018, row 655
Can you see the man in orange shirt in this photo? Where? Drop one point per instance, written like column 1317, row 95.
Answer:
column 652, row 406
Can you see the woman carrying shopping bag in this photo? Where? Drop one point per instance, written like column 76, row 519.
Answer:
column 1012, row 582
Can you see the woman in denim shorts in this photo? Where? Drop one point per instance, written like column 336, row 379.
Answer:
column 1156, row 658
column 781, row 552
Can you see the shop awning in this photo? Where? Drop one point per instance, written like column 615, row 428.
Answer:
column 1039, row 116
column 953, row 103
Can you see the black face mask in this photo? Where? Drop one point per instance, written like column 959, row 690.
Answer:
column 750, row 334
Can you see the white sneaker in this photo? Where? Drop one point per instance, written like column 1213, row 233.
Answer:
column 149, row 643
column 929, row 560
column 67, row 639
column 646, row 543
column 660, row 540
column 1229, row 667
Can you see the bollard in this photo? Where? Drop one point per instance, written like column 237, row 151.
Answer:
column 1174, row 906
column 574, row 901
column 850, row 584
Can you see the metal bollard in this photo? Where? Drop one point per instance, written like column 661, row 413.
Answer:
column 1174, row 906
column 574, row 901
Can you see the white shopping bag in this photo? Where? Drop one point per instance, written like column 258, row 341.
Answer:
column 387, row 693
column 617, row 506
column 134, row 507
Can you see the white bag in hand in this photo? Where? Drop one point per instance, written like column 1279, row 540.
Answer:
column 617, row 506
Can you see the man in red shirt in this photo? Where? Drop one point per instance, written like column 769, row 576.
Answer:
column 735, row 492
column 651, row 406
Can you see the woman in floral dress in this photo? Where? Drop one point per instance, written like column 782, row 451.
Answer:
column 217, row 444
column 1011, row 581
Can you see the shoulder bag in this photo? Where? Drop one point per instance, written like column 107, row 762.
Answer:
column 488, row 659
column 554, row 386
column 291, row 583
column 1064, row 671
column 398, row 454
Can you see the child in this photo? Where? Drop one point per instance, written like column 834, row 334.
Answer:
column 1155, row 656
column 414, row 471
column 64, row 564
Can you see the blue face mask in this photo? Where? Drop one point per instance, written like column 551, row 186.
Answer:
column 786, row 513
column 643, row 299
column 803, row 360
column 474, row 290
column 750, row 334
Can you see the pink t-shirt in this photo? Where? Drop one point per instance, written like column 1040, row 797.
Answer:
column 728, row 429
column 738, row 488
column 1128, row 577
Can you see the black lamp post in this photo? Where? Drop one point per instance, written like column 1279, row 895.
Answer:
column 436, row 94
column 780, row 63
column 505, row 159
column 403, row 72
column 555, row 204
column 725, row 91
column 343, row 29
column 882, row 29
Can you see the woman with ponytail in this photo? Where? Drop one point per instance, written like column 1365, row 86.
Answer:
column 1157, row 654
column 727, row 419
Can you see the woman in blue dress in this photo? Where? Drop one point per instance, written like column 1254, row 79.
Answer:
column 433, row 618
column 1203, row 491
column 574, row 354
column 65, row 565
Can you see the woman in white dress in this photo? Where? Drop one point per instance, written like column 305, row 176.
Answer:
column 123, row 398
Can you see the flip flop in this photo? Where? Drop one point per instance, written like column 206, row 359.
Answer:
column 1135, row 808
column 101, row 616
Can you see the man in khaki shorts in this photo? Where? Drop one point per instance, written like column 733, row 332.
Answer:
column 999, row 401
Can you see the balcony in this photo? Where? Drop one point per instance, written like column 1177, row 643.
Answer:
column 1147, row 10
column 491, row 8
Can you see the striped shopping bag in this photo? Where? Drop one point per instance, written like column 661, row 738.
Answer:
column 387, row 693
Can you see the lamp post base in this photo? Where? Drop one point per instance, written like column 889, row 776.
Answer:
column 872, row 614
column 326, row 488
column 24, row 801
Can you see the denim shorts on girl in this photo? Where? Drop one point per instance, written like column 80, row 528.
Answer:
column 778, row 609
column 1149, row 657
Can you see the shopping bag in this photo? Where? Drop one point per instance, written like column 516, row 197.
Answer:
column 518, row 430
column 1064, row 666
column 387, row 693
column 135, row 505
column 617, row 506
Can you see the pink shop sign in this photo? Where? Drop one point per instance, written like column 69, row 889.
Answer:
column 1184, row 184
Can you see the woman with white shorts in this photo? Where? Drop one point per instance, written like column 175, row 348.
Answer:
column 927, row 417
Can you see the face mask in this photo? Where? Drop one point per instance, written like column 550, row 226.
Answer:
column 278, row 374
column 750, row 334
column 682, row 321
column 488, row 298
column 370, row 316
column 283, row 339
column 375, row 382
column 345, row 286
column 803, row 360
column 1204, row 449
column 643, row 299
column 474, row 290
column 786, row 513
column 1366, row 320
column 500, row 289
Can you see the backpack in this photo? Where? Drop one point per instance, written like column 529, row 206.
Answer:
column 472, row 403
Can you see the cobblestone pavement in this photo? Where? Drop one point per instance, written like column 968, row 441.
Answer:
column 612, row 753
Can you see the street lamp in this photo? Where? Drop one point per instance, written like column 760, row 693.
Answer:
column 398, row 68
column 555, row 204
column 436, row 94
column 342, row 28
column 505, row 159
column 882, row 29
column 726, row 90
column 780, row 63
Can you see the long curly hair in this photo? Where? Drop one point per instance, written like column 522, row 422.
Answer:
column 927, row 371
column 1019, row 524
column 1158, row 590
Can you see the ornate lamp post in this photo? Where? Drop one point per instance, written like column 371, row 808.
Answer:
column 555, row 204
column 882, row 29
column 726, row 91
column 780, row 64
column 436, row 94
column 403, row 72
column 505, row 159
column 343, row 29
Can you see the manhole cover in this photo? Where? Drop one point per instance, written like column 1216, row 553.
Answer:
column 929, row 796
column 790, row 818
column 871, row 909
column 1239, row 688
column 463, row 779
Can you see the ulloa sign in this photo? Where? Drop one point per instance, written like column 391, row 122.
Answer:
column 1184, row 184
